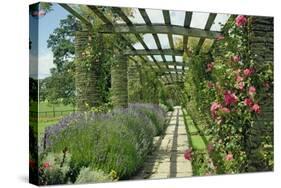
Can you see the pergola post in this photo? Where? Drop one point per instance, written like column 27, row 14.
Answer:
column 87, row 66
column 119, row 81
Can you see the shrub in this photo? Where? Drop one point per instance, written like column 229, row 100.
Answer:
column 119, row 140
column 88, row 175
column 53, row 168
column 155, row 113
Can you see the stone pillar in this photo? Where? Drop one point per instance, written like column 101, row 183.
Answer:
column 261, row 53
column 87, row 69
column 119, row 81
column 134, row 83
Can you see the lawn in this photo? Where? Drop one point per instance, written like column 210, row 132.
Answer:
column 48, row 118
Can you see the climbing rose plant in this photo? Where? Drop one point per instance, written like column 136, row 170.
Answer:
column 234, row 87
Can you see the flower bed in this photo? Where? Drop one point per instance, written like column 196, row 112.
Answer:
column 105, row 143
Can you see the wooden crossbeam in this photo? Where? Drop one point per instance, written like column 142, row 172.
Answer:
column 172, row 69
column 123, row 16
column 167, row 20
column 170, row 63
column 155, row 36
column 154, row 52
column 208, row 26
column 187, row 21
column 75, row 14
column 159, row 29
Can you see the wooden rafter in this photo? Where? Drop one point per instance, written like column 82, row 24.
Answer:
column 208, row 26
column 123, row 16
column 159, row 29
column 167, row 20
column 187, row 21
column 108, row 22
column 75, row 14
column 155, row 36
column 153, row 52
column 154, row 29
column 170, row 63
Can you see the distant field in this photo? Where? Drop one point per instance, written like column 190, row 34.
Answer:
column 45, row 106
column 48, row 115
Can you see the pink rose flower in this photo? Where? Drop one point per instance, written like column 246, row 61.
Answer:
column 248, row 102
column 230, row 98
column 248, row 71
column 235, row 58
column 188, row 154
column 210, row 66
column 252, row 90
column 219, row 37
column 210, row 147
column 225, row 110
column 237, row 72
column 240, row 20
column 214, row 107
column 241, row 85
column 239, row 78
column 256, row 108
column 46, row 165
column 210, row 84
column 229, row 157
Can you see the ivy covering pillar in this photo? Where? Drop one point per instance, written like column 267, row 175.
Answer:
column 87, row 66
column 119, row 81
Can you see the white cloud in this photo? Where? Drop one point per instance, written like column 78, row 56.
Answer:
column 45, row 64
column 39, row 67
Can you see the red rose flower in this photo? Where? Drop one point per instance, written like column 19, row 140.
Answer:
column 46, row 165
column 210, row 67
column 248, row 102
column 188, row 154
column 32, row 164
column 240, row 20
column 230, row 98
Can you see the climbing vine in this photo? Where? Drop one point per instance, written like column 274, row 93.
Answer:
column 233, row 90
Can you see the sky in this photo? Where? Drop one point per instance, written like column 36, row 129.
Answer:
column 46, row 25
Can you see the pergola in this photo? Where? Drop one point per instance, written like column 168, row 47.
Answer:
column 172, row 68
column 169, row 70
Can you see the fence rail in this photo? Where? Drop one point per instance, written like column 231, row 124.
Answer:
column 35, row 114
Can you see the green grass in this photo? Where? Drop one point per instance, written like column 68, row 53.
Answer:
column 197, row 142
column 45, row 106
column 42, row 125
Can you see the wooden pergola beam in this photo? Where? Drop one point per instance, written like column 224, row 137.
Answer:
column 159, row 29
column 76, row 14
column 155, row 36
column 154, row 52
column 187, row 21
column 170, row 63
column 123, row 16
column 208, row 26
column 167, row 20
